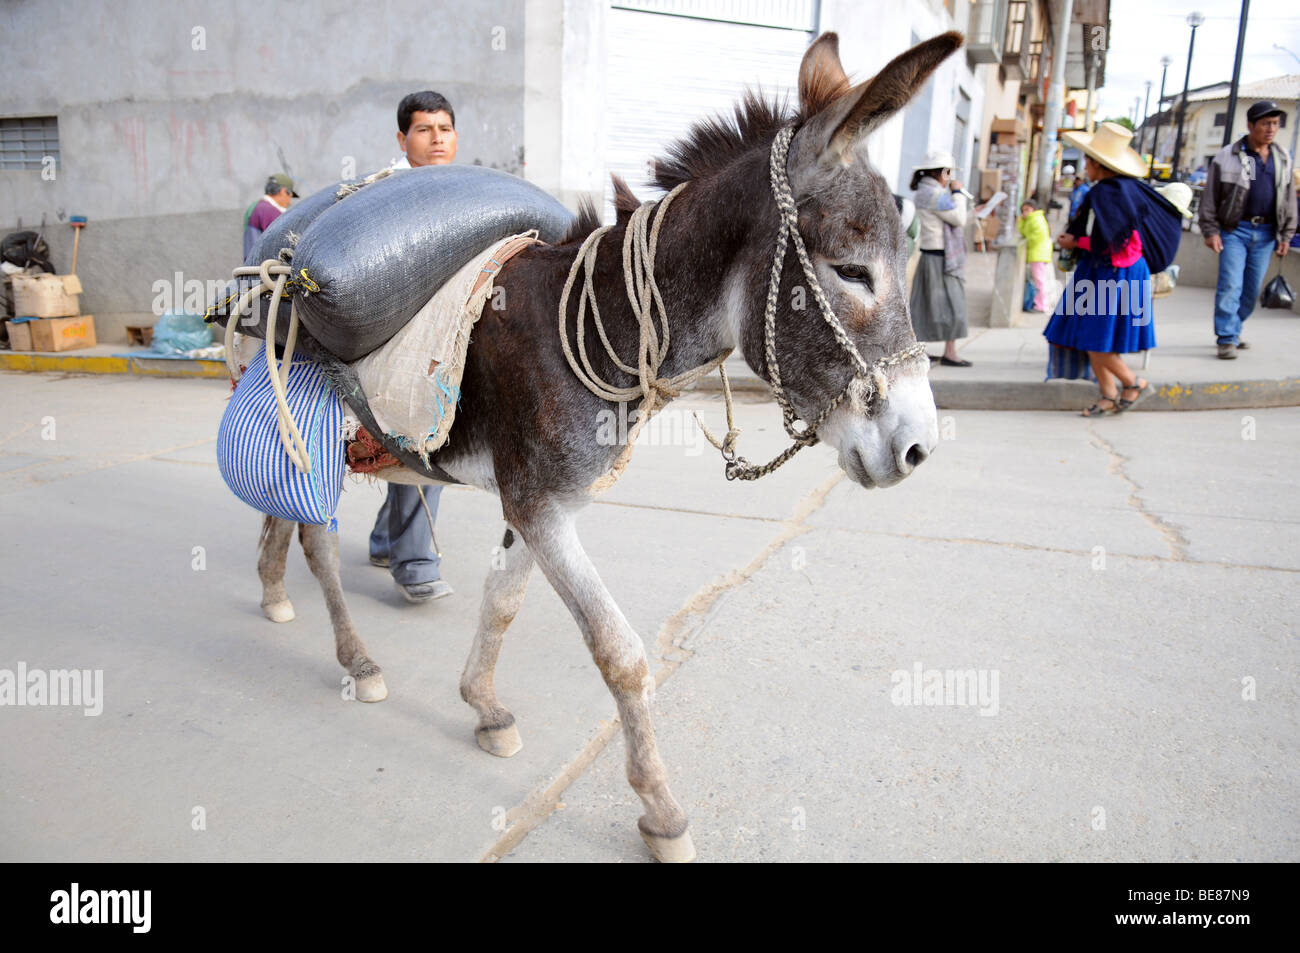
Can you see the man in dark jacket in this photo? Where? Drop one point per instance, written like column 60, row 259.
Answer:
column 1248, row 210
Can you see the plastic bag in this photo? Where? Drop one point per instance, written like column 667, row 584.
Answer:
column 1277, row 293
column 178, row 333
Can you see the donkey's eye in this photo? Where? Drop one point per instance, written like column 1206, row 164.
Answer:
column 854, row 273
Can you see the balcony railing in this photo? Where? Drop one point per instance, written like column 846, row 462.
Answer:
column 1015, row 48
column 988, row 29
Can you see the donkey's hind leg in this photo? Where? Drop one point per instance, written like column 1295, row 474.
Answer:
column 321, row 548
column 273, row 548
column 502, row 595
column 621, row 658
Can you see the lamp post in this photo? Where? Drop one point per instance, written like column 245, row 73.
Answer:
column 1295, row 121
column 1160, row 105
column 1193, row 20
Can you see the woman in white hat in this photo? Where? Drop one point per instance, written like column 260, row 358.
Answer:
column 1126, row 232
column 938, row 299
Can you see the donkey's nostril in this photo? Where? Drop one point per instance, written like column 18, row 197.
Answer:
column 915, row 455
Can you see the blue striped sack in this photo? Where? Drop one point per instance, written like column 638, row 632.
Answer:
column 253, row 461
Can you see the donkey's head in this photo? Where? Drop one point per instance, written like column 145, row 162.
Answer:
column 850, row 224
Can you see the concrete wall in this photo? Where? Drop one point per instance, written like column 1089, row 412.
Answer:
column 872, row 34
column 1200, row 265
column 171, row 116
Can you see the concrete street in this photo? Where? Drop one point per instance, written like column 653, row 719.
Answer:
column 1123, row 591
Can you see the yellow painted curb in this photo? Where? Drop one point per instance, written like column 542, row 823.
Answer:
column 102, row 364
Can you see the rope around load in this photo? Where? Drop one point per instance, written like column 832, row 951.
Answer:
column 290, row 437
column 869, row 385
column 640, row 244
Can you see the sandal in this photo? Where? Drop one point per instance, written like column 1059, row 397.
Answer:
column 1143, row 388
column 1096, row 410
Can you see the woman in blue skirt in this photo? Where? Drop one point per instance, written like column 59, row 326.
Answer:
column 1106, row 311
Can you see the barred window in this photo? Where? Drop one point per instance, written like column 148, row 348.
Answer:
column 24, row 143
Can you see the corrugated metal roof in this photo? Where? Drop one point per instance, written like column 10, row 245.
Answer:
column 1278, row 88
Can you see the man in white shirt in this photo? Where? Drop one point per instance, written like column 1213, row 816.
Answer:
column 402, row 538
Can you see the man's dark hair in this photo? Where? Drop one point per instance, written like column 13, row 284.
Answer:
column 426, row 101
column 274, row 188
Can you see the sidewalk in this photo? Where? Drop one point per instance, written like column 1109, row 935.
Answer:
column 1007, row 372
column 1009, row 364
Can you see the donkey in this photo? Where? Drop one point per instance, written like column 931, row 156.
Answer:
column 527, row 427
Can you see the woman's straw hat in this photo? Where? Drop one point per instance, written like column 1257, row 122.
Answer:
column 1109, row 146
column 1179, row 196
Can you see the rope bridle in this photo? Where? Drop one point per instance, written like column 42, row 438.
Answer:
column 868, row 387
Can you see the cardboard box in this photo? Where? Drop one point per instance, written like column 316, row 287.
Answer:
column 990, row 182
column 20, row 335
column 46, row 296
column 63, row 334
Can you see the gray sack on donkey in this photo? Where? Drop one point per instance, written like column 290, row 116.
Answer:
column 366, row 264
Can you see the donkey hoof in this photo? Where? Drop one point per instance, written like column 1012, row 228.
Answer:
column 670, row 850
column 502, row 742
column 371, row 688
column 278, row 611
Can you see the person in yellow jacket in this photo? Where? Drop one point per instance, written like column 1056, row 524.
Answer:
column 1038, row 255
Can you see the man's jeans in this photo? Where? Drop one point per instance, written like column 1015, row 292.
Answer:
column 1242, row 266
column 402, row 534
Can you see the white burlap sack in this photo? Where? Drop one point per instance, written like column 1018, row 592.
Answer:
column 413, row 381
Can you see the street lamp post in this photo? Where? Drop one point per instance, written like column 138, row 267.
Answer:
column 1160, row 105
column 1295, row 120
column 1193, row 20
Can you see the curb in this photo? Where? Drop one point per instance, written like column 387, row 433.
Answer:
column 1075, row 395
column 105, row 364
column 948, row 394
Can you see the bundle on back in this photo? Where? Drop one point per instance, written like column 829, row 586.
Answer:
column 364, row 265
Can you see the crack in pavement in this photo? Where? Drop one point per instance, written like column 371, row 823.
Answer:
column 674, row 646
column 1172, row 535
column 1032, row 548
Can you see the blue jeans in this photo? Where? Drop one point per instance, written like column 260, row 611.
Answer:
column 402, row 534
column 1242, row 266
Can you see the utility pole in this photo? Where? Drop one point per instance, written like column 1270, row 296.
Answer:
column 1061, row 10
column 1295, row 120
column 1146, row 105
column 1194, row 20
column 1160, row 106
column 1236, row 73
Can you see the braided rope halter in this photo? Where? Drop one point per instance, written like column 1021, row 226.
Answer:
column 868, row 387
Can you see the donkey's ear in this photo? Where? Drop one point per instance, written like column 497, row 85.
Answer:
column 855, row 112
column 821, row 77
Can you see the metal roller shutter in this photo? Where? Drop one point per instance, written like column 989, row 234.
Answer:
column 673, row 62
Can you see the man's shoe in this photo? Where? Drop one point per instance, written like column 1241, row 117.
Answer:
column 380, row 561
column 1243, row 345
column 1227, row 352
column 425, row 591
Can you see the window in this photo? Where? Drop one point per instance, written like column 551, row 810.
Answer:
column 1220, row 119
column 24, row 143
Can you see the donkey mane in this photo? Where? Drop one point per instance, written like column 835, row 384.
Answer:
column 711, row 145
column 716, row 142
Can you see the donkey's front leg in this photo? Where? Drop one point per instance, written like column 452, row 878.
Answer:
column 321, row 548
column 273, row 549
column 621, row 658
column 502, row 595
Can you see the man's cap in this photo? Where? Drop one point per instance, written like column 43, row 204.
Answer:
column 285, row 182
column 1262, row 110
